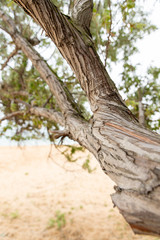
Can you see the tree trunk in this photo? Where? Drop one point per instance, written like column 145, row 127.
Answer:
column 126, row 151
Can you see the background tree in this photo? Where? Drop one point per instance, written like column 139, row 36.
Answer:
column 52, row 96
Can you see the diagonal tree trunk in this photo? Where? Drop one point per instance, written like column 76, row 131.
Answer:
column 126, row 151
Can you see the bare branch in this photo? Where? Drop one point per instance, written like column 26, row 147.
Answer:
column 3, row 28
column 82, row 13
column 49, row 114
column 23, row 102
column 9, row 58
column 11, row 115
column 5, row 90
column 20, row 93
column 33, row 41
column 141, row 115
column 57, row 133
column 47, row 101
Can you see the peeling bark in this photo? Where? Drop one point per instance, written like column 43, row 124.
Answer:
column 126, row 151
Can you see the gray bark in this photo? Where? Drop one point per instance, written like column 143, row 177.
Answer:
column 141, row 117
column 141, row 113
column 126, row 151
column 82, row 14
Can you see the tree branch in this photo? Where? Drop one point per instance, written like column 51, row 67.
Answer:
column 79, row 128
column 82, row 14
column 9, row 57
column 47, row 101
column 49, row 114
column 20, row 93
column 62, row 95
column 78, row 49
column 109, row 34
column 57, row 133
column 11, row 115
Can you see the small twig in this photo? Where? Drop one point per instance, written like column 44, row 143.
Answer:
column 44, row 105
column 4, row 29
column 9, row 57
column 57, row 133
column 11, row 115
column 33, row 41
column 59, row 165
column 23, row 102
column 109, row 34
column 20, row 93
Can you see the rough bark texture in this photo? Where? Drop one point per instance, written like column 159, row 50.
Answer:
column 126, row 151
column 82, row 14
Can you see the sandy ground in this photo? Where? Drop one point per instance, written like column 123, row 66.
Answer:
column 49, row 198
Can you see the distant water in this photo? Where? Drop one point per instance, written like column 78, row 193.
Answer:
column 6, row 142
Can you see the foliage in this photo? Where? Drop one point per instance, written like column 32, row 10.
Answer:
column 146, row 90
column 59, row 221
column 70, row 152
column 124, row 22
column 86, row 166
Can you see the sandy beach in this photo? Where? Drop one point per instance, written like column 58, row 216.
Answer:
column 45, row 197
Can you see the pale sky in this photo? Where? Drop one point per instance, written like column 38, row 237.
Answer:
column 149, row 47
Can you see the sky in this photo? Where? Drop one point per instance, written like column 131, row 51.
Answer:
column 149, row 53
column 149, row 46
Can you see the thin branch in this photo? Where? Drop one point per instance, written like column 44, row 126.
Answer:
column 141, row 114
column 23, row 102
column 4, row 29
column 57, row 133
column 33, row 41
column 62, row 95
column 11, row 115
column 47, row 101
column 20, row 93
column 12, row 54
column 49, row 114
column 109, row 34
